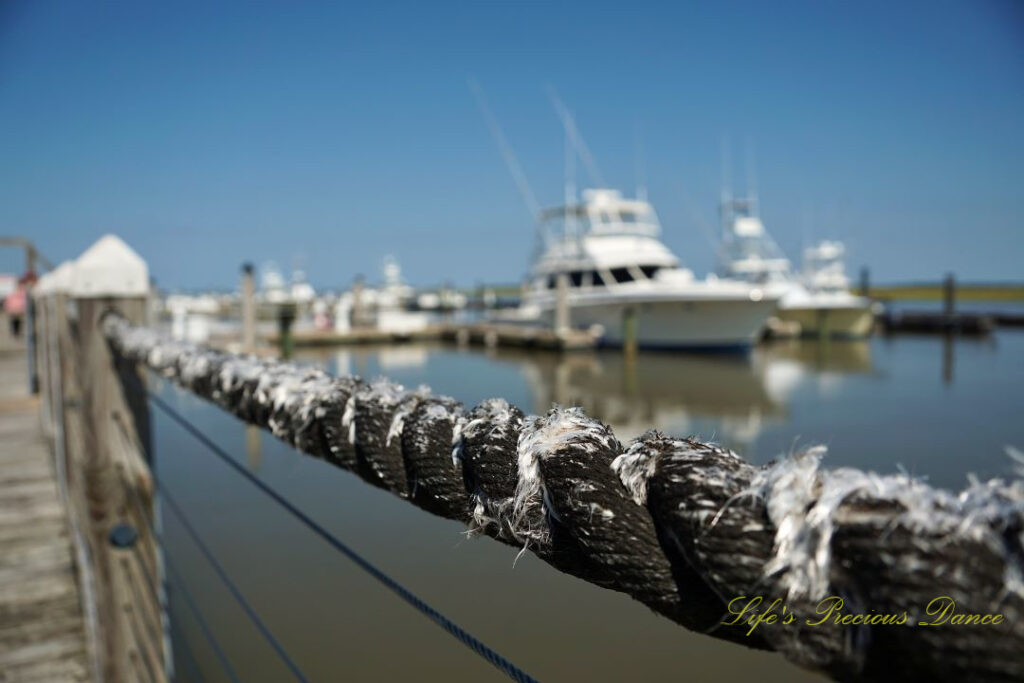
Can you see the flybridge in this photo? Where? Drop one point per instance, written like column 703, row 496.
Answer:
column 602, row 212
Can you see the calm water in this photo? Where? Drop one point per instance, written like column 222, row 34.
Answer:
column 934, row 408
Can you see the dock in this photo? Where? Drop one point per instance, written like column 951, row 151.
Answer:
column 42, row 631
column 463, row 334
column 936, row 322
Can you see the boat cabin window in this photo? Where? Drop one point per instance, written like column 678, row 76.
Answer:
column 622, row 275
column 649, row 271
column 582, row 278
column 628, row 216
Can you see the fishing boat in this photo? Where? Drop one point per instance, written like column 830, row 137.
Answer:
column 604, row 256
column 816, row 302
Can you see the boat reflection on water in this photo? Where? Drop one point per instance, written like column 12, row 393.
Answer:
column 787, row 364
column 725, row 399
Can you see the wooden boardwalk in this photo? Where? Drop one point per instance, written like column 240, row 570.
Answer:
column 42, row 632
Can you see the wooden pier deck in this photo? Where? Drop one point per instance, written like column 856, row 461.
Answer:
column 42, row 631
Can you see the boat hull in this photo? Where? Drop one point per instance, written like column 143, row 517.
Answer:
column 848, row 322
column 726, row 325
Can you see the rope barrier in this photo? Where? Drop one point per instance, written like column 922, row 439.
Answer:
column 685, row 527
column 444, row 622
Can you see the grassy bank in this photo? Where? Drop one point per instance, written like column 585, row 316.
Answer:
column 964, row 292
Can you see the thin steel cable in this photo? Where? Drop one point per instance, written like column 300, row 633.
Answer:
column 221, row 572
column 187, row 655
column 157, row 585
column 477, row 646
column 232, row 587
column 203, row 626
column 151, row 528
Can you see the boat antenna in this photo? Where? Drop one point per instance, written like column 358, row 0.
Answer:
column 808, row 231
column 577, row 140
column 705, row 227
column 641, row 171
column 725, row 209
column 751, row 174
column 569, row 222
column 529, row 198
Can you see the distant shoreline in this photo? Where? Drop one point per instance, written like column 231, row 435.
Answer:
column 935, row 292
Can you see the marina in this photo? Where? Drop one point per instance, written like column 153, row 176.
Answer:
column 498, row 341
column 758, row 405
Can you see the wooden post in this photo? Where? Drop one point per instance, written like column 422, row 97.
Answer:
column 114, row 445
column 285, row 318
column 949, row 295
column 68, row 453
column 562, row 322
column 32, row 341
column 43, row 354
column 865, row 283
column 357, row 302
column 629, row 333
column 248, row 309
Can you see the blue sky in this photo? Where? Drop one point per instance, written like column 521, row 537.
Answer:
column 330, row 134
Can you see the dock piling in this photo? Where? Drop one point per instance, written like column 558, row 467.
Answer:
column 285, row 318
column 248, row 309
column 100, row 430
column 357, row 303
column 629, row 333
column 949, row 295
column 562, row 322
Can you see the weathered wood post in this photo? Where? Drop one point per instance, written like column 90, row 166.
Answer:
column 32, row 340
column 248, row 309
column 285, row 318
column 31, row 322
column 629, row 333
column 562, row 321
column 65, row 397
column 113, row 447
column 39, row 301
column 357, row 302
column 949, row 296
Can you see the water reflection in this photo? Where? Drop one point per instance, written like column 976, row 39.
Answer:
column 726, row 398
column 253, row 448
column 788, row 364
column 879, row 405
column 400, row 357
column 784, row 396
column 676, row 394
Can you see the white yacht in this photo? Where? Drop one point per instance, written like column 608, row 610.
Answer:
column 815, row 303
column 617, row 273
column 386, row 307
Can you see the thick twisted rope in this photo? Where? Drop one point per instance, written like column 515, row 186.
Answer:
column 687, row 528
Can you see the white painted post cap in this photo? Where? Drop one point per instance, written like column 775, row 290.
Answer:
column 42, row 286
column 57, row 281
column 60, row 277
column 109, row 268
